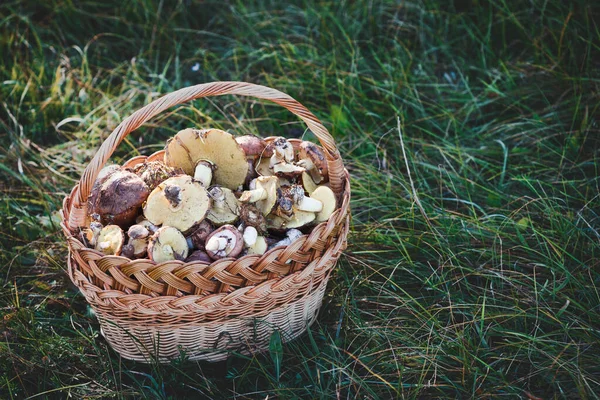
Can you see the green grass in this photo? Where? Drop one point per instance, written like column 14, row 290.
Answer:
column 473, row 263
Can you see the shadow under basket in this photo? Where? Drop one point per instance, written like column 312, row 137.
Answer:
column 151, row 312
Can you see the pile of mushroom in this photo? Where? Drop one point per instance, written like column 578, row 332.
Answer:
column 213, row 196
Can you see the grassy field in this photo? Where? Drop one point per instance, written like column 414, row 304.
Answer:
column 470, row 129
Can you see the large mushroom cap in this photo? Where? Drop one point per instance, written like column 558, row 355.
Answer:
column 119, row 198
column 179, row 202
column 192, row 145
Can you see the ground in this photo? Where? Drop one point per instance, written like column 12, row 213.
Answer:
column 470, row 129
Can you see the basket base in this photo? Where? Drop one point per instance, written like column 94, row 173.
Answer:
column 211, row 341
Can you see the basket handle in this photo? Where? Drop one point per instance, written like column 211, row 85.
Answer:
column 78, row 214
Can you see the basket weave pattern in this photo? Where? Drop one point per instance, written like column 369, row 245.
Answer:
column 150, row 310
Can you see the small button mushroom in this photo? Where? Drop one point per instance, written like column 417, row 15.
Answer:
column 120, row 198
column 226, row 241
column 264, row 196
column 199, row 255
column 153, row 173
column 203, row 172
column 253, row 243
column 326, row 196
column 179, row 202
column 197, row 238
column 166, row 244
column 312, row 158
column 146, row 224
column 110, row 241
column 189, row 146
column 225, row 206
column 138, row 241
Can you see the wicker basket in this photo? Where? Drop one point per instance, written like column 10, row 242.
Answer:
column 149, row 311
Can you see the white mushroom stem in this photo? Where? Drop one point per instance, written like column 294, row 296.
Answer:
column 250, row 236
column 307, row 204
column 216, row 244
column 203, row 173
column 96, row 228
column 104, row 245
column 252, row 196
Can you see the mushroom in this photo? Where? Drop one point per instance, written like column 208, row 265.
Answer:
column 326, row 196
column 179, row 202
column 312, row 158
column 226, row 241
column 254, row 147
column 198, row 237
column 103, row 175
column 146, row 224
column 225, row 206
column 264, row 195
column 199, row 255
column 308, row 183
column 138, row 241
column 153, row 173
column 203, row 172
column 189, row 146
column 291, row 235
column 263, row 167
column 111, row 239
column 90, row 235
column 119, row 198
column 282, row 160
column 166, row 244
column 253, row 243
column 297, row 220
column 303, row 202
column 251, row 216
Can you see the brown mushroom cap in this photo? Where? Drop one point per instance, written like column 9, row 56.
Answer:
column 120, row 198
column 226, row 241
column 179, row 202
column 167, row 244
column 326, row 196
column 253, row 147
column 252, row 216
column 103, row 175
column 311, row 157
column 111, row 240
column 191, row 145
column 225, row 206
